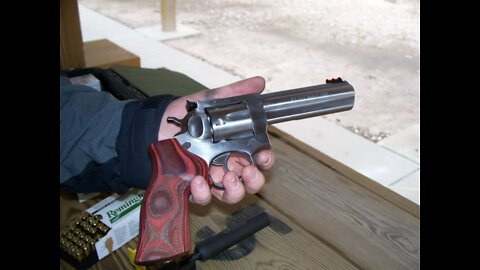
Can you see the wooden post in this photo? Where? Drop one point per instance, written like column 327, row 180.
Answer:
column 71, row 42
column 168, row 15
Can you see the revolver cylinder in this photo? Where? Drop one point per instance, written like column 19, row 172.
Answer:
column 230, row 122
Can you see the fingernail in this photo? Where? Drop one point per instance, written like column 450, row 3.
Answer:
column 235, row 182
column 253, row 174
column 200, row 184
column 266, row 159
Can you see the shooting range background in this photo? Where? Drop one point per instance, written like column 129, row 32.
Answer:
column 373, row 44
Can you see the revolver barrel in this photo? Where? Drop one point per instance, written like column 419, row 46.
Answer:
column 310, row 101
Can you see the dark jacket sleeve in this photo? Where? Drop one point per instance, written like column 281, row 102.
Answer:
column 104, row 141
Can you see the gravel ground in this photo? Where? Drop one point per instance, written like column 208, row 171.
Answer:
column 372, row 44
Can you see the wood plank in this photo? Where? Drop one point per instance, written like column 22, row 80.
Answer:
column 169, row 22
column 71, row 43
column 369, row 230
column 372, row 185
column 282, row 245
column 104, row 53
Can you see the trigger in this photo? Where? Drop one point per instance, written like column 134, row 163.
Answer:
column 222, row 160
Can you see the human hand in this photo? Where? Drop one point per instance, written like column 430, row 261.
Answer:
column 252, row 179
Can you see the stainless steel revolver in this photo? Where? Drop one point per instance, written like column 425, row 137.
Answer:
column 214, row 129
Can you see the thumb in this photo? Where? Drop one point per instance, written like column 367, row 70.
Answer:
column 243, row 87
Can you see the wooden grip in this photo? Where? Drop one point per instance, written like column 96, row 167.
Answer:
column 164, row 227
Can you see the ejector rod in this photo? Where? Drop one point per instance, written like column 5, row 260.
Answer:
column 308, row 102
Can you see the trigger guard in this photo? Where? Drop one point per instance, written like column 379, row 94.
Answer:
column 222, row 160
column 215, row 185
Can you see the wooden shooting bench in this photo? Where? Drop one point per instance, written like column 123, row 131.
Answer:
column 321, row 219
